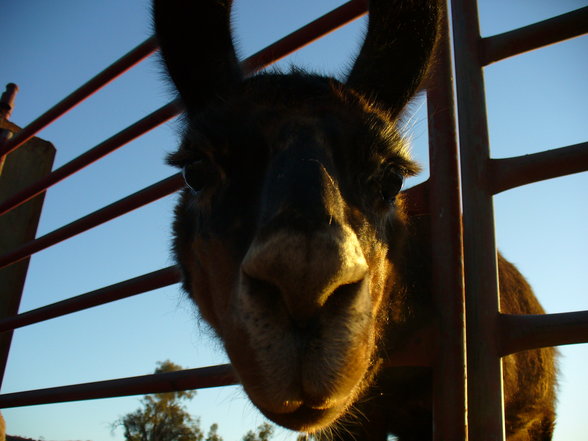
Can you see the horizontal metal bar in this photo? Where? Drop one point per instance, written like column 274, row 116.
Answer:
column 143, row 197
column 213, row 376
column 314, row 30
column 123, row 137
column 522, row 332
column 544, row 33
column 513, row 172
column 128, row 288
column 116, row 69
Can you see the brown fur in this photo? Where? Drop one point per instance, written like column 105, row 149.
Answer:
column 294, row 242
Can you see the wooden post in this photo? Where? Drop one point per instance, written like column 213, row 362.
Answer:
column 18, row 170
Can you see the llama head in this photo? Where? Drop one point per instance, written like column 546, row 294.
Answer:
column 290, row 227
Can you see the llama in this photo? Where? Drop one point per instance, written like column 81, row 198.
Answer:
column 293, row 237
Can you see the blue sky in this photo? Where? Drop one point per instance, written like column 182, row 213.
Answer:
column 535, row 102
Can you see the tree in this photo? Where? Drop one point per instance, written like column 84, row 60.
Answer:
column 212, row 434
column 163, row 418
column 264, row 433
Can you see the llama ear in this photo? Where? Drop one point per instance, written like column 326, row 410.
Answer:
column 396, row 51
column 195, row 40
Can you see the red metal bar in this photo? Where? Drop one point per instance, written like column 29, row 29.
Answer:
column 143, row 197
column 485, row 401
column 522, row 332
column 213, row 376
column 147, row 282
column 121, row 138
column 307, row 34
column 521, row 170
column 449, row 368
column 120, row 66
column 518, row 41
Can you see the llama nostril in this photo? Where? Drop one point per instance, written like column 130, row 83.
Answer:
column 344, row 296
column 265, row 292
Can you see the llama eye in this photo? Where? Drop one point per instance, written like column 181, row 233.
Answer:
column 198, row 175
column 391, row 186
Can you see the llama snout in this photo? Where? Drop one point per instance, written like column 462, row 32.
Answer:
column 305, row 271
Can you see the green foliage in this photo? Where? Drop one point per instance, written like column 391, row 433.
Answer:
column 212, row 433
column 264, row 433
column 307, row 437
column 163, row 418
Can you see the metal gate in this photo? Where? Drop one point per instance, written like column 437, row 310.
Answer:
column 463, row 179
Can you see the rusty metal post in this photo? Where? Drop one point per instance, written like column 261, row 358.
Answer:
column 6, row 105
column 449, row 367
column 485, row 400
column 21, row 168
column 7, row 100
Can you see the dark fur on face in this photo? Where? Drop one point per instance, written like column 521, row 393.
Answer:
column 293, row 238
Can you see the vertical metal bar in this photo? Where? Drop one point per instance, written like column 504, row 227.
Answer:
column 485, row 401
column 449, row 374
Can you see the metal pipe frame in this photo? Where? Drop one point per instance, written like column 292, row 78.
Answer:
column 292, row 42
column 449, row 363
column 522, row 332
column 143, row 197
column 484, row 365
column 200, row 378
column 490, row 334
column 513, row 172
column 116, row 69
column 128, row 288
column 307, row 34
column 535, row 36
column 123, row 137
